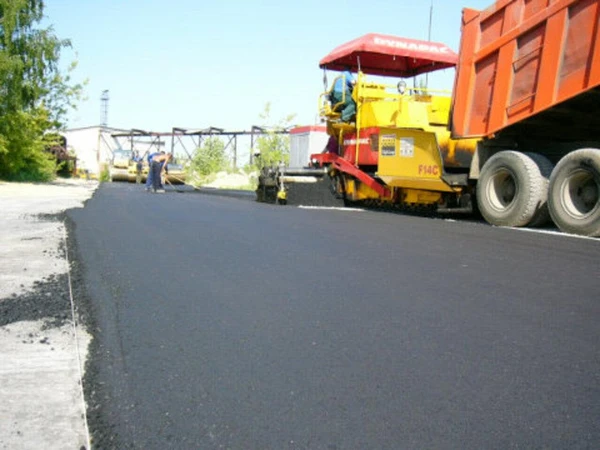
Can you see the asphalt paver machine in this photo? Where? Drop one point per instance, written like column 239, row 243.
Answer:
column 396, row 149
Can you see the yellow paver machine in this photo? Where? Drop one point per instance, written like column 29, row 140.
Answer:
column 389, row 143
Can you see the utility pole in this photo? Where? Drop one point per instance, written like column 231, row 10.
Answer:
column 430, row 20
column 429, row 39
column 104, row 108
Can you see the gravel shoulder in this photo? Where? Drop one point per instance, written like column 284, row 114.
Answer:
column 43, row 347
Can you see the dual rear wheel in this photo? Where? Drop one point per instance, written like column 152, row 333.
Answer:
column 523, row 189
column 574, row 193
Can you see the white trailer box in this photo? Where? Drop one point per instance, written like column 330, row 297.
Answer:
column 93, row 146
column 304, row 141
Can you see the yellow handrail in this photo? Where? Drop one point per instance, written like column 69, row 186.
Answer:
column 386, row 88
column 325, row 96
column 358, row 88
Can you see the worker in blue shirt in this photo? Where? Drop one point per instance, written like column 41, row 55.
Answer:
column 158, row 167
column 149, row 179
column 341, row 95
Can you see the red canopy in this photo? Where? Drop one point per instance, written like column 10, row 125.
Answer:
column 380, row 54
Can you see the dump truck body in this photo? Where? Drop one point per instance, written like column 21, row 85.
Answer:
column 528, row 85
column 529, row 67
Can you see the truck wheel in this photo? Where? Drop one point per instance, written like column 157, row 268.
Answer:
column 574, row 193
column 513, row 188
column 542, row 216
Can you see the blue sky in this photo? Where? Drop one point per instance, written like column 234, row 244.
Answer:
column 195, row 64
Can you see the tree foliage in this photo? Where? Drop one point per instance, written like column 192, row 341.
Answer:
column 273, row 146
column 34, row 95
column 210, row 157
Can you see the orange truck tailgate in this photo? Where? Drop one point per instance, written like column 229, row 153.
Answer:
column 521, row 57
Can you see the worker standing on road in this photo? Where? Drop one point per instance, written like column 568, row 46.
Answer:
column 158, row 168
column 149, row 179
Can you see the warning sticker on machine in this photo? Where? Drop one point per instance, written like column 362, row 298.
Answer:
column 388, row 145
column 407, row 147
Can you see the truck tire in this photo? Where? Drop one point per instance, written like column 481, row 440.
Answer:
column 542, row 216
column 513, row 189
column 574, row 193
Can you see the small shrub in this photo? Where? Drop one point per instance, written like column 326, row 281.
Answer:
column 210, row 158
column 104, row 174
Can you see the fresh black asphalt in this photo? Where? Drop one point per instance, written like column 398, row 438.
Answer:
column 224, row 323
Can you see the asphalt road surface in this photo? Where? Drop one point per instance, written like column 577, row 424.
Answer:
column 224, row 323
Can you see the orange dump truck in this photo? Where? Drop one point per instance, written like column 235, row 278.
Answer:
column 528, row 85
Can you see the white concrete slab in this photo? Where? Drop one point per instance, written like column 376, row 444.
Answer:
column 41, row 396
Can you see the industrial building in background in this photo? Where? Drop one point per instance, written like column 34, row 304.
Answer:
column 95, row 146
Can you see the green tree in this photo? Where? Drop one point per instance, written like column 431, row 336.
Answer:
column 274, row 146
column 210, row 157
column 34, row 95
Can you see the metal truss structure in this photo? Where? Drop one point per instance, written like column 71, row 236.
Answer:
column 188, row 140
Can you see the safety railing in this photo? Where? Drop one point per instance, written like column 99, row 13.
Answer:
column 380, row 91
column 326, row 106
